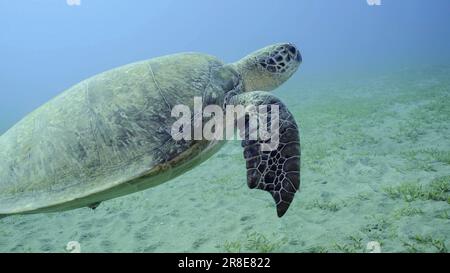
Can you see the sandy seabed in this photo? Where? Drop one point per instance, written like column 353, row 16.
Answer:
column 375, row 168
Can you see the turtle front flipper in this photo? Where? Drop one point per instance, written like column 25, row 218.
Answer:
column 276, row 170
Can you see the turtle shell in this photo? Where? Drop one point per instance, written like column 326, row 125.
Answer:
column 109, row 135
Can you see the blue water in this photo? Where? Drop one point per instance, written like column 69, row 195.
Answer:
column 47, row 46
column 371, row 98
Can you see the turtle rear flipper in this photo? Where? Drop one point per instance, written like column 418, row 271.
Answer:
column 95, row 205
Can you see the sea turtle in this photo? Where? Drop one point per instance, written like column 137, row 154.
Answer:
column 110, row 135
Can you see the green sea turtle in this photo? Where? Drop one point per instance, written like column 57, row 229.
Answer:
column 110, row 135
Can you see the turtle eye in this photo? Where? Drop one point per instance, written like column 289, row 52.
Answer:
column 292, row 49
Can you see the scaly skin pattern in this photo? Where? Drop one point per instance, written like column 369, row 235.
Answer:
column 276, row 171
column 109, row 135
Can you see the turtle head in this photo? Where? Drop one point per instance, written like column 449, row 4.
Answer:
column 268, row 68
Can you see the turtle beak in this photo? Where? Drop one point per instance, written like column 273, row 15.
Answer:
column 299, row 57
